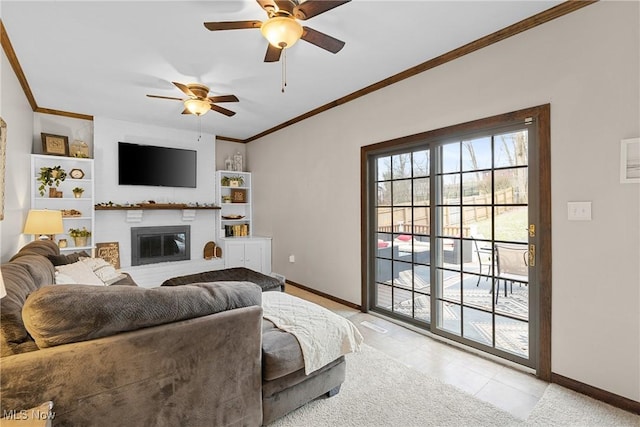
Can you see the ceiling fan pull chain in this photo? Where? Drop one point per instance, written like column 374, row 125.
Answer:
column 199, row 128
column 284, row 70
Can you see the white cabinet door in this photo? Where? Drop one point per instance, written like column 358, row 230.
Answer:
column 253, row 256
column 234, row 255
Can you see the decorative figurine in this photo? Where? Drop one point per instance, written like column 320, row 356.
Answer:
column 237, row 162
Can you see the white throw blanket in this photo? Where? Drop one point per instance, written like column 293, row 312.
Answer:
column 323, row 335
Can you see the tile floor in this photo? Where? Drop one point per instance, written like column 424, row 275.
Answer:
column 507, row 388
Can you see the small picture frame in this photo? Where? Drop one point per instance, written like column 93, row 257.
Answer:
column 110, row 252
column 630, row 161
column 56, row 145
column 238, row 195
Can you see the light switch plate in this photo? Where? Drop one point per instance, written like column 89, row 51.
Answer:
column 579, row 211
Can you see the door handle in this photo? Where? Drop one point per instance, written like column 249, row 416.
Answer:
column 532, row 255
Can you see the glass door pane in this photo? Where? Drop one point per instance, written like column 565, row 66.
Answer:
column 481, row 272
column 402, row 235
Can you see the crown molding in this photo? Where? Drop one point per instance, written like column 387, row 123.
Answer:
column 15, row 64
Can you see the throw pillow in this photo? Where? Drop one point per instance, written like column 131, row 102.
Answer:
column 404, row 237
column 78, row 272
column 104, row 270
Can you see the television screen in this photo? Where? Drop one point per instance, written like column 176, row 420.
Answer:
column 156, row 166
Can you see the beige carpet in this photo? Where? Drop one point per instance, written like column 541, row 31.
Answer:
column 380, row 392
column 562, row 407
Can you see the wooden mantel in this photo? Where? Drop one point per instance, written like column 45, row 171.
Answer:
column 134, row 212
column 144, row 206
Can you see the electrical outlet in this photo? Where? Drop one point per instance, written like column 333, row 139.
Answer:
column 292, row 258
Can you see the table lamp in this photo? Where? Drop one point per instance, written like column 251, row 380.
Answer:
column 43, row 223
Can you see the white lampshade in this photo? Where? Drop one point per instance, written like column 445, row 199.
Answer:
column 282, row 32
column 197, row 106
column 43, row 222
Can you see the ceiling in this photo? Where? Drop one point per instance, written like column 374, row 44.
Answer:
column 101, row 58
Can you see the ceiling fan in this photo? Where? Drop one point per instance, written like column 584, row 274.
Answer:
column 282, row 29
column 198, row 103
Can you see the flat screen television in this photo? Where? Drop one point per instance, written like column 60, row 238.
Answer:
column 156, row 166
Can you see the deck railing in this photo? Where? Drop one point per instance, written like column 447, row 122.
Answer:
column 449, row 230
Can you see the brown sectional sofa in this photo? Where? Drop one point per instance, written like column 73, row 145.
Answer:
column 192, row 355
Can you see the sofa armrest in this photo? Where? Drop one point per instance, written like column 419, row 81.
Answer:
column 201, row 371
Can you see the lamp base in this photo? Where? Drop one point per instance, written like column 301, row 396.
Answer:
column 45, row 236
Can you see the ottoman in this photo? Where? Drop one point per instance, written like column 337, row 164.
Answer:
column 238, row 274
column 285, row 386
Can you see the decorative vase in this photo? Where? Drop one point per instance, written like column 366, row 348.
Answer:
column 77, row 194
column 80, row 240
column 53, row 192
column 62, row 243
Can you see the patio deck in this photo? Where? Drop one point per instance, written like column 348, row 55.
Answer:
column 409, row 295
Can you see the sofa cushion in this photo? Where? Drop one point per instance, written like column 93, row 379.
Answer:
column 38, row 247
column 281, row 352
column 62, row 314
column 21, row 277
column 63, row 259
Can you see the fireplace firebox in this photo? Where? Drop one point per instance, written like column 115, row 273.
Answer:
column 150, row 245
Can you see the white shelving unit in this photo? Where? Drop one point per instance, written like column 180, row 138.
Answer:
column 239, row 249
column 228, row 225
column 85, row 204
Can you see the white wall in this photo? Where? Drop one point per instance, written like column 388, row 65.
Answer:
column 17, row 113
column 111, row 225
column 586, row 65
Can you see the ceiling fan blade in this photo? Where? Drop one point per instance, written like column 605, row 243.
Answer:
column 222, row 110
column 273, row 53
column 185, row 111
column 224, row 98
column 322, row 40
column 267, row 5
column 184, row 88
column 164, row 97
column 311, row 8
column 232, row 25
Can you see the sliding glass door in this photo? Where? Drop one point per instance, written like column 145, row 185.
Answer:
column 452, row 237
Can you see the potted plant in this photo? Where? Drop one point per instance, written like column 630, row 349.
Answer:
column 80, row 235
column 77, row 192
column 236, row 181
column 50, row 177
column 232, row 181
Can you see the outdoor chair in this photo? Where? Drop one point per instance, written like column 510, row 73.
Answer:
column 482, row 250
column 512, row 265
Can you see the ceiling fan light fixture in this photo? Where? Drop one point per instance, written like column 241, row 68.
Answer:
column 197, row 106
column 281, row 31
